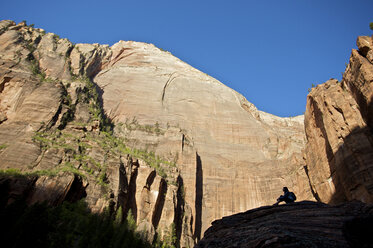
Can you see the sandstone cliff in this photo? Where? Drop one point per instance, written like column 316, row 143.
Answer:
column 132, row 126
column 338, row 124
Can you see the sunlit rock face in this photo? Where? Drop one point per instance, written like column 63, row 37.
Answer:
column 219, row 154
column 338, row 124
column 245, row 156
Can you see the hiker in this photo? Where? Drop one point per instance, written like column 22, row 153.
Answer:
column 288, row 196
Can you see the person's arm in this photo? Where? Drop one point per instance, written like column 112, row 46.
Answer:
column 280, row 199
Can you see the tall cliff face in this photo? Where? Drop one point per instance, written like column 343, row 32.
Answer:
column 56, row 143
column 133, row 126
column 243, row 156
column 339, row 157
column 338, row 124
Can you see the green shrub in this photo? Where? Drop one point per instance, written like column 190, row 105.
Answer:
column 131, row 222
column 67, row 225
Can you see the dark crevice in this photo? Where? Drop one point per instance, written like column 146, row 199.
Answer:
column 55, row 117
column 106, row 123
column 130, row 203
column 2, row 85
column 76, row 191
column 199, row 195
column 159, row 204
column 170, row 79
column 182, row 142
column 150, row 179
column 122, row 187
column 179, row 210
column 309, row 181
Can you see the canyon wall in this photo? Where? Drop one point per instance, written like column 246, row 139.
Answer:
column 338, row 124
column 339, row 158
column 133, row 127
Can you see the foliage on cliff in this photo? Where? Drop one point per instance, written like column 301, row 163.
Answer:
column 67, row 225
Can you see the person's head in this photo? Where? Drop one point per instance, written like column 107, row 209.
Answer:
column 285, row 189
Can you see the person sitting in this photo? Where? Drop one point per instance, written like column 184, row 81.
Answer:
column 288, row 196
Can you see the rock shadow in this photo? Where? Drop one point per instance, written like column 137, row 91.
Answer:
column 199, row 196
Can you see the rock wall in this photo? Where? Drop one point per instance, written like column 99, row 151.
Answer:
column 132, row 126
column 56, row 142
column 338, row 124
column 245, row 156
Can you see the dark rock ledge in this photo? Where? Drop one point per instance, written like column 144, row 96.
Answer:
column 301, row 224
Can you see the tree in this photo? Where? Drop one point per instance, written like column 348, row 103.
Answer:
column 371, row 25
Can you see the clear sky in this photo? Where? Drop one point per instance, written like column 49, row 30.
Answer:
column 270, row 51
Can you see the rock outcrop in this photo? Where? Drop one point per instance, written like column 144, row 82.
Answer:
column 338, row 124
column 301, row 224
column 132, row 126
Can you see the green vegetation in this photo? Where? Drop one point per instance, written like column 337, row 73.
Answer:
column 79, row 146
column 67, row 167
column 35, row 67
column 130, row 220
column 85, row 154
column 170, row 239
column 134, row 125
column 115, row 145
column 56, row 37
column 371, row 25
column 91, row 96
column 312, row 86
column 67, row 225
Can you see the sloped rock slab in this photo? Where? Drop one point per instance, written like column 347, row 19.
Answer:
column 301, row 224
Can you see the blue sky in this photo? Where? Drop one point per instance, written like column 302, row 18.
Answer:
column 270, row 51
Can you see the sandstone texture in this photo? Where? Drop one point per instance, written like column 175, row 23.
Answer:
column 56, row 143
column 244, row 156
column 338, row 125
column 300, row 224
column 133, row 127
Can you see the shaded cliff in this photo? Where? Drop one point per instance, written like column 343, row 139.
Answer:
column 338, row 124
